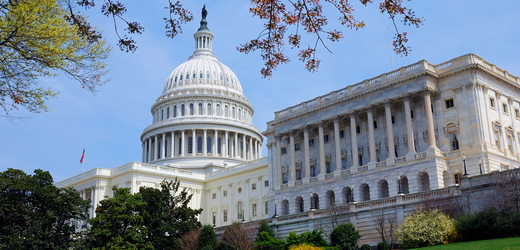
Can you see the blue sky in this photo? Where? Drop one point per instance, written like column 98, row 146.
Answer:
column 109, row 123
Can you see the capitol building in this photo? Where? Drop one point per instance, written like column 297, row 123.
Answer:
column 390, row 140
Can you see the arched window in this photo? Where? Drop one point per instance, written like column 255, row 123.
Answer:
column 199, row 144
column 240, row 211
column 217, row 109
column 242, row 149
column 208, row 143
column 190, row 145
column 168, row 113
column 191, row 108
column 201, row 111
column 240, row 114
column 175, row 111
column 219, row 147
column 233, row 113
column 180, row 146
column 226, row 111
column 183, row 110
column 209, row 111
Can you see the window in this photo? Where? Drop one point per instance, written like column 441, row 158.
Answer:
column 342, row 134
column 504, row 108
column 233, row 113
column 218, row 109
column 209, row 111
column 253, row 208
column 168, row 113
column 492, row 102
column 219, row 146
column 208, row 143
column 266, row 183
column 162, row 114
column 298, row 174
column 393, row 119
column 517, row 114
column 510, row 143
column 454, row 141
column 226, row 111
column 180, row 146
column 175, row 111
column 265, row 204
column 201, row 111
column 326, row 138
column 191, row 108
column 311, row 142
column 240, row 210
column 224, row 193
column 285, row 178
column 214, row 196
column 183, row 110
column 283, row 150
column 411, row 113
column 358, row 129
column 497, row 139
column 456, row 178
column 253, row 186
column 225, row 215
column 449, row 103
column 190, row 145
column 343, row 163
column 297, row 146
column 360, row 159
column 199, row 144
column 327, row 167
column 375, row 124
column 239, row 190
column 313, row 171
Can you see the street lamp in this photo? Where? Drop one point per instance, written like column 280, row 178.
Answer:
column 275, row 215
column 352, row 191
column 480, row 165
column 243, row 215
column 465, row 170
column 399, row 184
column 311, row 201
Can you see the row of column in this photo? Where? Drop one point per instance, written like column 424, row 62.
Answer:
column 251, row 152
column 354, row 145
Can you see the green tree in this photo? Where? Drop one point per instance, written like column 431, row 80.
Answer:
column 35, row 214
column 424, row 228
column 345, row 237
column 264, row 227
column 313, row 238
column 207, row 238
column 38, row 38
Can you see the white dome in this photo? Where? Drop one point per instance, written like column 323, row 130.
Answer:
column 203, row 71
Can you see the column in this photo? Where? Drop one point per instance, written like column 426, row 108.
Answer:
column 235, row 146
column 306, row 152
column 389, row 130
column 205, row 144
column 193, row 143
column 337, row 144
column 429, row 119
column 409, row 128
column 226, row 142
column 215, row 144
column 353, row 140
column 278, row 161
column 244, row 147
column 259, row 149
column 292, row 165
column 144, row 152
column 155, row 148
column 322, row 150
column 250, row 148
column 172, row 147
column 163, row 146
column 371, row 138
column 183, row 144
column 149, row 148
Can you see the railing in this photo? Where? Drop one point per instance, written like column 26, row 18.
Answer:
column 345, row 172
column 381, row 164
column 362, row 168
column 421, row 155
column 236, row 168
column 394, row 75
column 284, row 186
column 329, row 176
column 400, row 159
column 313, row 179
column 298, row 183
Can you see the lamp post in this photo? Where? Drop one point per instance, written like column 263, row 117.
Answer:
column 311, row 201
column 465, row 170
column 244, row 215
column 480, row 165
column 352, row 191
column 399, row 184
column 275, row 215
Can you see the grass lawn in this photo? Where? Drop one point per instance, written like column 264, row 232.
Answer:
column 498, row 244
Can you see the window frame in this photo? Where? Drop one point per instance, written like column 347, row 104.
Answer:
column 492, row 103
column 447, row 101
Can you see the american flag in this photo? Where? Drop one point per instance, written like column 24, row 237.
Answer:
column 82, row 156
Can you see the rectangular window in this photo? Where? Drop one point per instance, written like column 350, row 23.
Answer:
column 454, row 141
column 375, row 124
column 214, row 196
column 504, row 108
column 298, row 174
column 224, row 193
column 517, row 113
column 326, row 138
column 341, row 134
column 492, row 102
column 449, row 103
column 266, row 207
column 327, row 167
column 411, row 113
column 284, row 150
column 311, row 142
column 297, row 146
column 253, row 186
column 266, row 183
column 253, row 208
column 360, row 159
column 285, row 178
column 497, row 139
column 510, row 143
column 313, row 171
column 343, row 163
column 393, row 119
column 358, row 129
column 456, row 178
column 225, row 215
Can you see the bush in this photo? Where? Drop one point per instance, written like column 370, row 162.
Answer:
column 383, row 246
column 264, row 227
column 366, row 247
column 489, row 224
column 265, row 241
column 424, row 228
column 313, row 238
column 304, row 247
column 207, row 247
column 345, row 237
column 207, row 237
